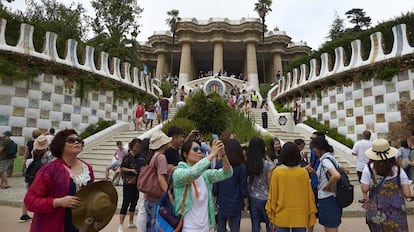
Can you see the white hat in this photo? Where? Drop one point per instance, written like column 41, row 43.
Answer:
column 41, row 143
column 158, row 139
column 381, row 150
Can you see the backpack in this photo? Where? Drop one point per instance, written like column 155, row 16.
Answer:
column 344, row 189
column 30, row 172
column 12, row 152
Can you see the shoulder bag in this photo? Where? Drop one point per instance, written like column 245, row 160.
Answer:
column 148, row 180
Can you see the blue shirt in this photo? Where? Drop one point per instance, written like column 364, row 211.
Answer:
column 231, row 192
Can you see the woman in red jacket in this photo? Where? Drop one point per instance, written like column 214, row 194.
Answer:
column 51, row 195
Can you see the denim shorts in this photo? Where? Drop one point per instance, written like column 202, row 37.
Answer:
column 330, row 212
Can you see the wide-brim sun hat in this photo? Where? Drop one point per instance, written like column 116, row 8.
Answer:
column 41, row 143
column 98, row 205
column 158, row 139
column 381, row 150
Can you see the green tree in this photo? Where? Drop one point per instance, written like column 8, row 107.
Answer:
column 172, row 23
column 51, row 15
column 337, row 27
column 115, row 24
column 358, row 17
column 262, row 7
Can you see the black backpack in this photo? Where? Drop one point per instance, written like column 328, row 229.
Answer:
column 344, row 189
column 12, row 151
column 30, row 172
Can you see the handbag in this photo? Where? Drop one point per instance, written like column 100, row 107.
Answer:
column 148, row 180
column 132, row 180
column 165, row 219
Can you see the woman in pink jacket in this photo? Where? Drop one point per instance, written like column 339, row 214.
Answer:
column 51, row 195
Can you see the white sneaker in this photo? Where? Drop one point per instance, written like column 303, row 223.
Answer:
column 132, row 225
column 120, row 229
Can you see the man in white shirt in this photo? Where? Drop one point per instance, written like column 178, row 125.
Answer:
column 359, row 151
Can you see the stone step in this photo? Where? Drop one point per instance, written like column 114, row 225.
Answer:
column 101, row 155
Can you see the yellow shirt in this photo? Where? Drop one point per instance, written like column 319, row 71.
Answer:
column 291, row 201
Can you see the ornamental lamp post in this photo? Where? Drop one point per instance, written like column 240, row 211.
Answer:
column 134, row 35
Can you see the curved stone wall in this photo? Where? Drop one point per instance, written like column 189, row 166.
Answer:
column 47, row 102
column 360, row 105
column 50, row 101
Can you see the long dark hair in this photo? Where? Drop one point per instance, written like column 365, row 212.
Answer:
column 272, row 153
column 255, row 155
column 234, row 152
column 384, row 167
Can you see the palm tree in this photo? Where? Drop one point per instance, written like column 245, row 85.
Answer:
column 262, row 7
column 172, row 22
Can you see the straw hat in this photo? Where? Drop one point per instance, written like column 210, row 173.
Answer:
column 98, row 205
column 158, row 139
column 41, row 142
column 381, row 150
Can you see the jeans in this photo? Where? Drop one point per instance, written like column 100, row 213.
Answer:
column 234, row 223
column 164, row 115
column 284, row 229
column 151, row 208
column 258, row 214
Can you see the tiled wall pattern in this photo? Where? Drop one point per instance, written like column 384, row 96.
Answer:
column 46, row 102
column 369, row 105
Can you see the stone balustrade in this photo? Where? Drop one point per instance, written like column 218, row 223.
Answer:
column 134, row 79
column 354, row 104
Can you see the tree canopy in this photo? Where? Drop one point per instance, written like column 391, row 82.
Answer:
column 116, row 25
column 262, row 7
column 337, row 27
column 358, row 17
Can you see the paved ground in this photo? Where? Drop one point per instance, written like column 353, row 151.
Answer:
column 10, row 202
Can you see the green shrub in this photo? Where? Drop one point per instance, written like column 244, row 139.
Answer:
column 281, row 109
column 183, row 123
column 95, row 128
column 209, row 113
column 241, row 126
column 166, row 88
column 264, row 89
column 331, row 132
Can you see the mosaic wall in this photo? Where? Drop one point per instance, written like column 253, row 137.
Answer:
column 369, row 105
column 46, row 102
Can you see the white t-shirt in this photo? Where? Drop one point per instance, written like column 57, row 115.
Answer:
column 366, row 175
column 324, row 166
column 196, row 219
column 359, row 148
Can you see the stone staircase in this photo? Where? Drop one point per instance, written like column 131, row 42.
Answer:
column 100, row 156
column 290, row 136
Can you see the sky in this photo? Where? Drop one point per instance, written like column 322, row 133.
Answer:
column 302, row 20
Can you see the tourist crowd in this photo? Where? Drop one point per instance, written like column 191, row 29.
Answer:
column 212, row 184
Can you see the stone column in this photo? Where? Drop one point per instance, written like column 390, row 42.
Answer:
column 161, row 65
column 218, row 58
column 252, row 76
column 277, row 66
column 185, row 63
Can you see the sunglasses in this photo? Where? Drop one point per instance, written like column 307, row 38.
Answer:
column 72, row 140
column 196, row 149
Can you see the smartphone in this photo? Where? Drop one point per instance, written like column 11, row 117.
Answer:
column 215, row 137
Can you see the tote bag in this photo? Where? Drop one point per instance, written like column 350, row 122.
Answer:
column 148, row 180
